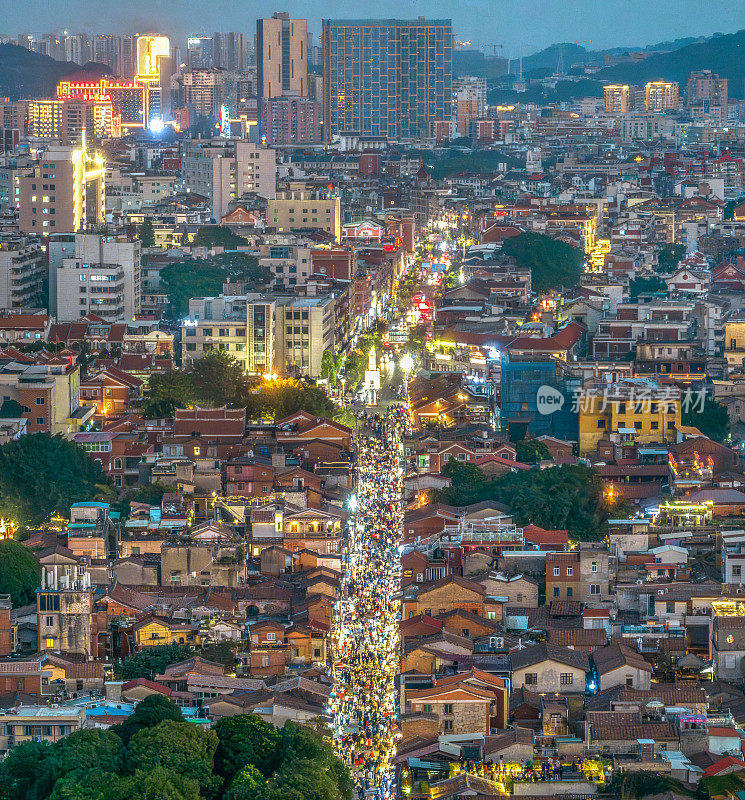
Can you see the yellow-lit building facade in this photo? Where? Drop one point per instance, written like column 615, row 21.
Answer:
column 649, row 414
column 154, row 69
column 661, row 95
column 64, row 193
column 616, row 98
column 65, row 120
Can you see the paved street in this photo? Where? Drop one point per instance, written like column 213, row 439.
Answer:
column 366, row 636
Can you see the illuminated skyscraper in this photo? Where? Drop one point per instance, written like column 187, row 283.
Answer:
column 617, row 99
column 154, row 69
column 387, row 77
column 661, row 95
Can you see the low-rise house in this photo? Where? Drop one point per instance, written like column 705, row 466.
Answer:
column 619, row 665
column 549, row 668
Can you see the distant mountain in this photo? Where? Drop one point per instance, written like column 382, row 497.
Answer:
column 25, row 74
column 548, row 58
column 722, row 54
column 475, row 63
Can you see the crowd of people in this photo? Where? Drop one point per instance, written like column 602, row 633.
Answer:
column 366, row 631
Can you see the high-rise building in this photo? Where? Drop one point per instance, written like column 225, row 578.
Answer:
column 199, row 52
column 661, row 95
column 223, row 170
column 66, row 120
column 617, row 99
column 469, row 100
column 202, row 90
column 290, row 120
column 386, row 77
column 21, row 272
column 101, row 277
column 128, row 98
column 282, row 56
column 707, row 93
column 63, row 193
column 154, row 70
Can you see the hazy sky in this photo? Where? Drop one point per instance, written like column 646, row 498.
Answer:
column 517, row 24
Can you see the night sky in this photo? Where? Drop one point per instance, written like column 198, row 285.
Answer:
column 520, row 25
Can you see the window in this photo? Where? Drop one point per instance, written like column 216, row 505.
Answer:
column 570, row 572
column 49, row 643
column 594, row 566
column 427, row 708
column 531, row 678
column 49, row 622
column 197, row 450
column 737, row 571
column 447, row 708
column 39, row 401
column 556, row 591
column 570, row 592
column 566, row 679
column 40, row 420
column 670, row 607
column 594, row 588
column 601, row 423
column 117, row 463
column 447, row 725
column 271, row 636
column 557, row 572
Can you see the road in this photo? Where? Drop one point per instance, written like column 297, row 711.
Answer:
column 365, row 641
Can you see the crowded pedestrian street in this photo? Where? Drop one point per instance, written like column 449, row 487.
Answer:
column 364, row 701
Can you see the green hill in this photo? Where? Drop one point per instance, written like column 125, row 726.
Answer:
column 722, row 54
column 25, row 74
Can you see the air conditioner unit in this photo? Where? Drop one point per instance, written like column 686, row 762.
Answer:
column 660, row 591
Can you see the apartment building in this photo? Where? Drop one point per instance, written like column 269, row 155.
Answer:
column 241, row 325
column 63, row 193
column 223, row 170
column 21, row 272
column 101, row 276
column 295, row 209
column 289, row 262
column 268, row 334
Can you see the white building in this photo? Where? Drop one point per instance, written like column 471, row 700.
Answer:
column 94, row 274
column 225, row 169
column 21, row 272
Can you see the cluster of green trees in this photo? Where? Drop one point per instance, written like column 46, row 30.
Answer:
column 19, row 572
column 712, row 419
column 531, row 451
column 217, row 379
column 42, row 474
column 198, row 277
column 569, row 497
column 157, row 755
column 552, row 263
column 454, row 161
column 670, row 256
column 151, row 661
column 639, row 286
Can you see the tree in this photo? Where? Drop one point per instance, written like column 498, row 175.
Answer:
column 148, row 713
column 218, row 236
column 184, row 241
column 147, row 233
column 19, row 572
column 151, row 661
column 217, row 378
column 167, row 391
column 670, row 256
column 531, row 451
column 552, row 263
column 275, row 400
column 248, row 784
column 650, row 285
column 329, row 367
column 568, row 497
column 180, row 747
column 246, row 739
column 25, row 773
column 192, row 278
column 712, row 420
column 42, row 474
